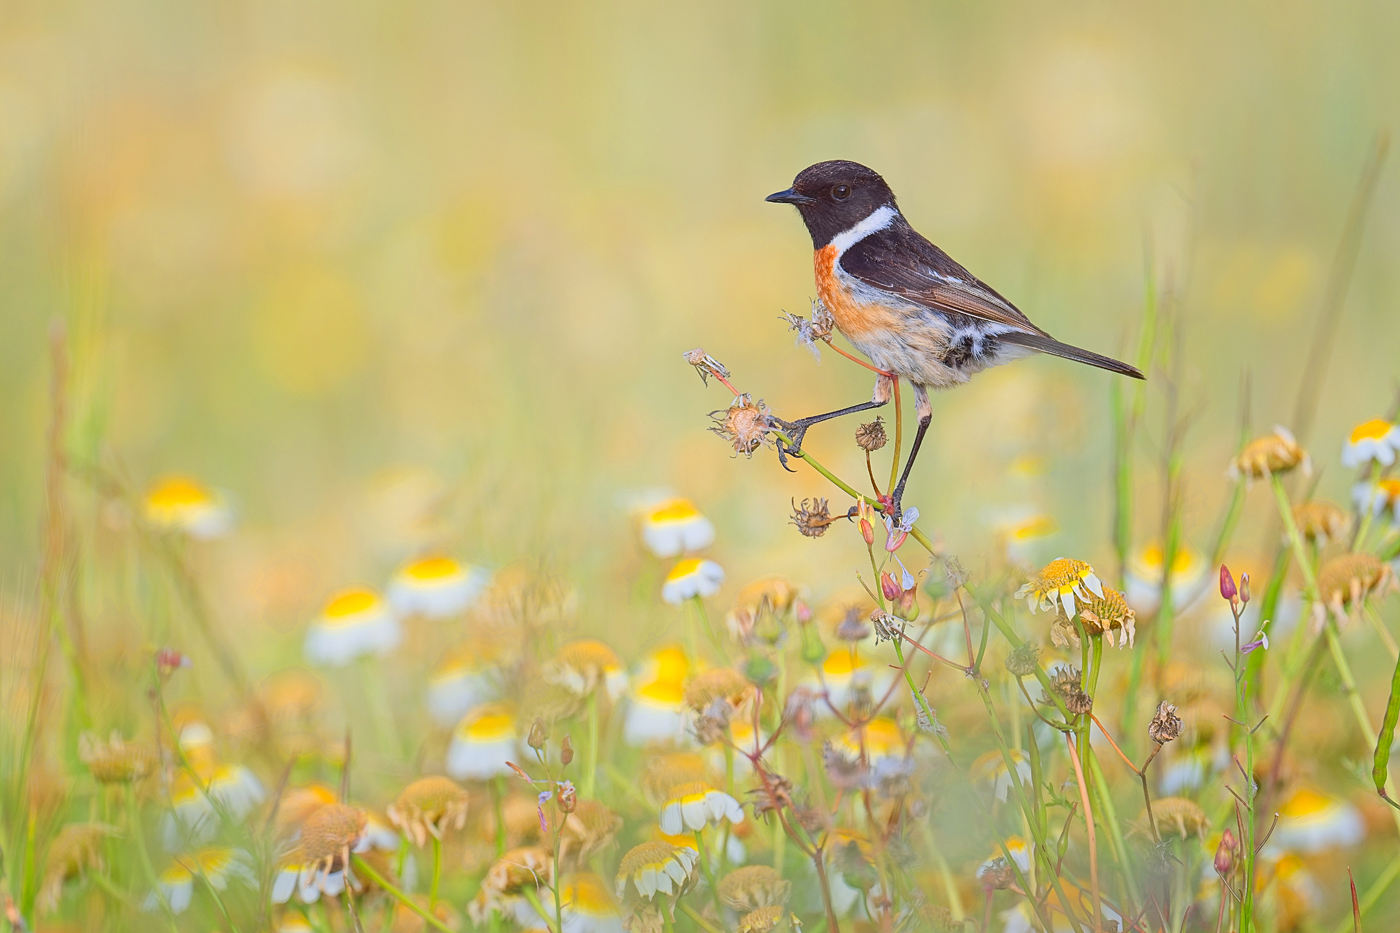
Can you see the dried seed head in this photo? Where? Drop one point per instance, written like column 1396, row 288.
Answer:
column 871, row 437
column 1066, row 682
column 1166, row 725
column 429, row 807
column 718, row 683
column 668, row 770
column 1183, row 817
column 814, row 521
column 852, row 626
column 76, row 849
column 1109, row 614
column 744, row 425
column 115, row 761
column 1278, row 452
column 762, row 920
column 1320, row 521
column 1023, row 660
column 589, row 826
column 705, row 365
column 752, row 887
column 774, row 795
column 332, row 830
column 998, row 875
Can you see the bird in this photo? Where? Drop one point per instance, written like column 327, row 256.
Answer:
column 903, row 302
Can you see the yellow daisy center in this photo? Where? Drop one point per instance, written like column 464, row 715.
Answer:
column 588, row 896
column 1064, row 573
column 842, row 664
column 175, row 492
column 1037, row 527
column 882, row 738
column 685, row 568
column 432, row 569
column 350, row 602
column 671, row 664
column 489, row 727
column 1372, row 430
column 1306, row 802
column 663, row 692
column 676, row 510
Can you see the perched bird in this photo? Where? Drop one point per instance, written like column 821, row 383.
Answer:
column 902, row 301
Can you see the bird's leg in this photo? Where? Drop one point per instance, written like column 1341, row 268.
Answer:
column 925, row 411
column 797, row 430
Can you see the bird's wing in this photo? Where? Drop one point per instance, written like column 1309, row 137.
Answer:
column 902, row 262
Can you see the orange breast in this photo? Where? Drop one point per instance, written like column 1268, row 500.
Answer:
column 855, row 319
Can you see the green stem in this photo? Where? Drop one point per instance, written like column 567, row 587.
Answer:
column 708, row 870
column 362, row 866
column 133, row 815
column 1358, row 707
column 590, row 755
column 437, row 873
column 498, row 801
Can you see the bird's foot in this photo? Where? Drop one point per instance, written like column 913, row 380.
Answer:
column 795, row 431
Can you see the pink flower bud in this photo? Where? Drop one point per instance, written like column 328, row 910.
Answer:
column 889, row 586
column 1227, row 584
column 867, row 531
column 1244, row 587
column 1225, row 854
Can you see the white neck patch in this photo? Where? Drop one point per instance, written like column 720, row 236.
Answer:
column 879, row 219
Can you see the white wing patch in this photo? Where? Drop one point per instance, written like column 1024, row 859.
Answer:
column 878, row 220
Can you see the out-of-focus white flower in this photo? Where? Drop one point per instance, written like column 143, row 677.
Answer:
column 483, row 742
column 656, row 867
column 354, row 622
column 846, row 672
column 1019, row 919
column 1375, row 440
column 656, row 702
column 694, row 806
column 215, row 865
column 1145, row 573
column 180, row 503
column 1310, row 821
column 436, row 586
column 1379, row 497
column 587, row 664
column 194, row 817
column 675, row 527
column 989, row 772
column 465, row 678
column 691, row 577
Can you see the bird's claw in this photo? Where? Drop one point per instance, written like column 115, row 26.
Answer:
column 795, row 431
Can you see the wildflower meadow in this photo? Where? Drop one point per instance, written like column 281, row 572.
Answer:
column 402, row 529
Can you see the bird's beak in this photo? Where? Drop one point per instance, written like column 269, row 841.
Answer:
column 790, row 196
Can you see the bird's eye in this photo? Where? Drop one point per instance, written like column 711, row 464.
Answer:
column 841, row 192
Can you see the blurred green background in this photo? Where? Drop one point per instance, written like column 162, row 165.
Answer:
column 400, row 274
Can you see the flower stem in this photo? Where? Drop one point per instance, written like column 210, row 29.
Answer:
column 437, row 873
column 402, row 898
column 498, row 800
column 590, row 755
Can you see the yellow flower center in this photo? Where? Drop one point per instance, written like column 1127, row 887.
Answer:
column 1063, row 573
column 432, row 569
column 842, row 664
column 671, row 664
column 176, row 492
column 676, row 510
column 350, row 602
column 489, row 727
column 1391, row 488
column 882, row 738
column 684, row 568
column 1306, row 802
column 1372, row 430
column 663, row 692
column 587, row 895
column 1037, row 527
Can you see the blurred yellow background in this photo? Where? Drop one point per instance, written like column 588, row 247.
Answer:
column 408, row 274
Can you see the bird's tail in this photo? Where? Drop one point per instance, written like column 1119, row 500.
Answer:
column 1043, row 344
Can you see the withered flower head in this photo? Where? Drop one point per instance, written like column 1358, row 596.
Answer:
column 811, row 522
column 1109, row 614
column 331, row 832
column 718, row 683
column 744, row 425
column 1067, row 684
column 511, row 873
column 762, row 920
column 1183, row 817
column 668, row 770
column 809, row 332
column 1320, row 521
column 845, row 772
column 115, row 761
column 705, row 365
column 76, row 849
column 997, row 874
column 773, row 795
column 1023, row 660
column 871, row 437
column 589, row 829
column 429, row 807
column 752, row 887
column 710, row 723
column 1278, row 452
column 1345, row 581
column 1166, row 725
column 853, row 625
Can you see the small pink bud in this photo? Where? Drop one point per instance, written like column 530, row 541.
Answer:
column 1227, row 584
column 1225, row 854
column 889, row 586
column 1244, row 587
column 867, row 531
